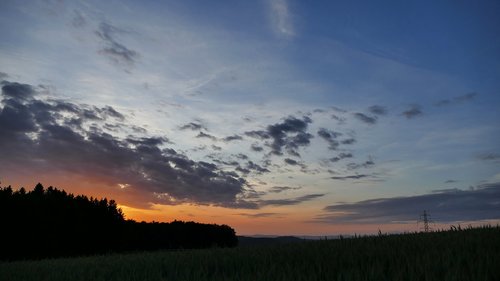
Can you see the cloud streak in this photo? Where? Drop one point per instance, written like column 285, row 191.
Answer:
column 446, row 206
column 281, row 18
column 113, row 50
column 412, row 112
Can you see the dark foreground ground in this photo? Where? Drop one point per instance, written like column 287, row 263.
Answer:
column 472, row 254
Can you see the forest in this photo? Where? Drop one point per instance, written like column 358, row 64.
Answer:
column 49, row 222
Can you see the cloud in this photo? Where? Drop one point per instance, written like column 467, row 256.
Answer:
column 113, row 50
column 3, row 75
column 207, row 136
column 367, row 164
column 450, row 181
column 260, row 215
column 16, row 91
column 348, row 141
column 258, row 134
column 256, row 168
column 291, row 162
column 378, row 109
column 330, row 137
column 488, row 156
column 281, row 18
column 457, row 99
column 79, row 19
column 351, row 177
column 193, row 126
column 445, row 207
column 241, row 156
column 45, row 137
column 365, row 118
column 232, row 138
column 412, row 112
column 289, row 201
column 279, row 189
column 340, row 157
column 291, row 134
column 256, row 148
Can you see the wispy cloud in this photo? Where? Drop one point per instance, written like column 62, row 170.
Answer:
column 378, row 109
column 281, row 18
column 113, row 50
column 489, row 156
column 365, row 118
column 350, row 177
column 457, row 99
column 260, row 215
column 449, row 205
column 414, row 111
column 290, row 201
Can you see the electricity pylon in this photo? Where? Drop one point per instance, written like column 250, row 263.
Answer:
column 426, row 219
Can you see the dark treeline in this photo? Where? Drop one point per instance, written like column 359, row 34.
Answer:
column 52, row 223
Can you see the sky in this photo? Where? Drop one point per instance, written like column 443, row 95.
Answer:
column 276, row 117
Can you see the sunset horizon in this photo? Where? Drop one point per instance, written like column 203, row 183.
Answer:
column 274, row 117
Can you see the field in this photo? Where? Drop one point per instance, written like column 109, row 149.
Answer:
column 471, row 254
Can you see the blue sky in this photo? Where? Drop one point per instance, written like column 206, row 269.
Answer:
column 272, row 116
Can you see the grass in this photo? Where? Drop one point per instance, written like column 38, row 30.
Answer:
column 471, row 254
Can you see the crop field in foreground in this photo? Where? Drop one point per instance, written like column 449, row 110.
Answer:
column 471, row 254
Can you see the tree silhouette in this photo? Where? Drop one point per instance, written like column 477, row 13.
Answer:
column 51, row 223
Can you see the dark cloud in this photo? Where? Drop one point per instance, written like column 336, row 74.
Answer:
column 330, row 137
column 256, row 168
column 16, row 91
column 489, row 156
column 241, row 156
column 205, row 135
column 289, row 201
column 457, row 100
column 365, row 118
column 351, row 177
column 413, row 111
column 232, row 138
column 256, row 148
column 378, row 109
column 289, row 135
column 450, row 181
column 41, row 138
column 193, row 126
column 278, row 189
column 116, row 52
column 291, row 162
column 445, row 206
column 243, row 170
column 215, row 147
column 340, row 157
column 337, row 118
column 348, row 141
column 367, row 164
column 258, row 134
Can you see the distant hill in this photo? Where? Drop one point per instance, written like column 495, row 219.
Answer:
column 248, row 241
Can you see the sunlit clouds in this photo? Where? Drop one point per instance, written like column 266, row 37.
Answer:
column 275, row 117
